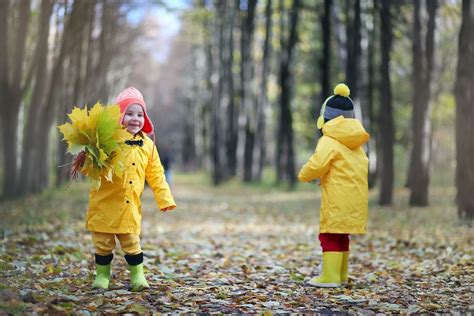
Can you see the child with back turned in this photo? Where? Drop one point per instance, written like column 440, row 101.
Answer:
column 341, row 165
column 115, row 210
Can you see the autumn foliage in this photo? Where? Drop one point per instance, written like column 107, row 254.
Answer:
column 97, row 133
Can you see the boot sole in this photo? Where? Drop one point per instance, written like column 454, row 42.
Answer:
column 99, row 286
column 140, row 287
column 325, row 284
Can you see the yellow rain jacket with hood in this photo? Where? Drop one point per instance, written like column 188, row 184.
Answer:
column 342, row 167
column 116, row 207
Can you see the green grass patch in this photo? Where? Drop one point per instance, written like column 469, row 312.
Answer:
column 267, row 184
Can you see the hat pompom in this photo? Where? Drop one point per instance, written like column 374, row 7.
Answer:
column 342, row 90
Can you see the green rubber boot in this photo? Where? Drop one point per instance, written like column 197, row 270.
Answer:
column 345, row 268
column 102, row 277
column 138, row 278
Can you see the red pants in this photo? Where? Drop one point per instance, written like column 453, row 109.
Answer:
column 334, row 242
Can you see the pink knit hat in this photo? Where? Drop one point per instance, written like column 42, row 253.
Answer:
column 131, row 96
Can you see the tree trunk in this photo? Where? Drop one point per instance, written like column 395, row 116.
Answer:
column 10, row 139
column 340, row 32
column 325, row 61
column 4, row 58
column 247, row 95
column 106, row 46
column 190, row 102
column 463, row 91
column 72, row 88
column 417, row 84
column 354, row 52
column 232, row 128
column 279, row 139
column 89, row 85
column 218, row 85
column 286, row 119
column 386, row 125
column 72, row 26
column 370, row 119
column 262, row 99
column 421, row 123
column 353, row 60
column 12, row 87
column 197, row 93
column 205, row 111
column 189, row 152
column 349, row 45
column 32, row 128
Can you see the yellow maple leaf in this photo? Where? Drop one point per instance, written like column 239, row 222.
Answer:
column 100, row 135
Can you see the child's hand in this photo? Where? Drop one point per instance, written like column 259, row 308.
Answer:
column 169, row 208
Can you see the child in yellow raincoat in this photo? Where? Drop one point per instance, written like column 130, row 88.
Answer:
column 115, row 210
column 341, row 165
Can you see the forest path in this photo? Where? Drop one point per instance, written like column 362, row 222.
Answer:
column 235, row 249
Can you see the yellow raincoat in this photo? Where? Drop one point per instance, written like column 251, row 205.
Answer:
column 342, row 166
column 116, row 207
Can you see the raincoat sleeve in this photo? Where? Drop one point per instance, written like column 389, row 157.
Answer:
column 319, row 163
column 155, row 177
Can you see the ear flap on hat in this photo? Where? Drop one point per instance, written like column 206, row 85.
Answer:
column 320, row 121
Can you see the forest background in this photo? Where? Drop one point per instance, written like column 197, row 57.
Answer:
column 238, row 86
column 234, row 89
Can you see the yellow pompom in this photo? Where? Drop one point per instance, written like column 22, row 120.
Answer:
column 342, row 90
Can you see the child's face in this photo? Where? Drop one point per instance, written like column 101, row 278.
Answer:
column 134, row 119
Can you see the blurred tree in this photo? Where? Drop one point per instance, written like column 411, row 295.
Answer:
column 354, row 54
column 232, row 126
column 31, row 129
column 45, row 119
column 385, row 117
column 75, row 82
column 369, row 119
column 423, row 60
column 247, row 93
column 262, row 97
column 217, row 139
column 189, row 153
column 208, row 31
column 14, row 82
column 107, row 46
column 285, row 157
column 325, row 60
column 354, row 50
column 464, row 92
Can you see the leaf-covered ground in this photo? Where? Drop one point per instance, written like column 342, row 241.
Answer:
column 236, row 250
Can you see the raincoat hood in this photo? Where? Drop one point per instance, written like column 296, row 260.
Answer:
column 347, row 131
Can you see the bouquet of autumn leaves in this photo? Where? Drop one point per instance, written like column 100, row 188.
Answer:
column 96, row 138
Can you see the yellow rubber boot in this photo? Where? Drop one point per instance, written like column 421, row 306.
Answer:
column 331, row 271
column 345, row 268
